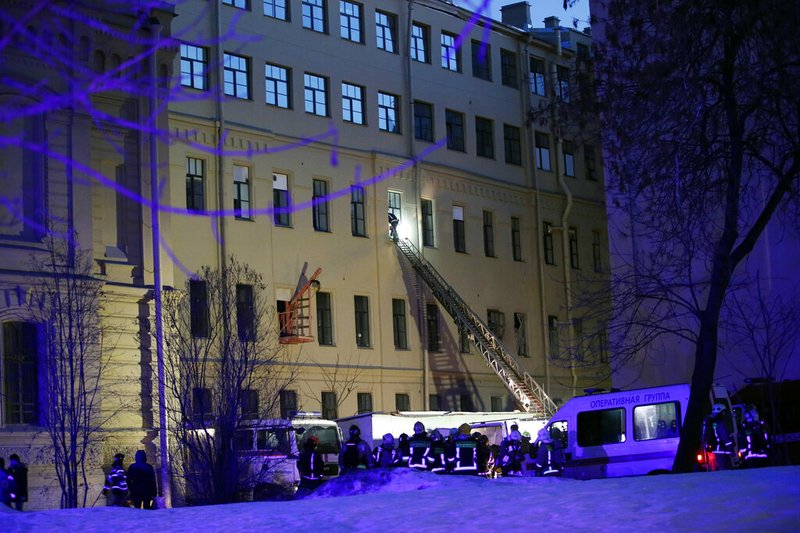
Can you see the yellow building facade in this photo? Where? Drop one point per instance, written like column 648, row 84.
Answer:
column 339, row 112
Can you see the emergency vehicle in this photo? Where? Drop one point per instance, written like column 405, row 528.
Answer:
column 268, row 451
column 620, row 433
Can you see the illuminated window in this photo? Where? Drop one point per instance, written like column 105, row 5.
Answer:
column 316, row 95
column 420, row 39
column 314, row 15
column 352, row 103
column 277, row 9
column 386, row 31
column 236, row 76
column 388, row 112
column 277, row 81
column 451, row 56
column 350, row 18
column 536, row 77
column 194, row 67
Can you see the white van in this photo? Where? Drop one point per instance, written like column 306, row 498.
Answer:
column 329, row 438
column 620, row 433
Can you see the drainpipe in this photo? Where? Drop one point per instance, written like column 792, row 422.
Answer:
column 155, row 30
column 526, row 103
column 220, row 127
column 565, row 252
column 417, row 200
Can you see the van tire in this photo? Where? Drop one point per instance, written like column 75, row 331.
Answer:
column 659, row 472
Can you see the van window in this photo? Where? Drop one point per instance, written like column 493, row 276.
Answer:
column 244, row 440
column 276, row 439
column 596, row 428
column 558, row 431
column 656, row 421
column 328, row 438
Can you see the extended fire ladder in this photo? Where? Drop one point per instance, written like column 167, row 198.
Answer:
column 517, row 380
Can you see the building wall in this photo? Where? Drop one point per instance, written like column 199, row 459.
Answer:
column 105, row 197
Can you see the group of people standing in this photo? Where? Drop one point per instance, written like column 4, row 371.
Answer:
column 718, row 436
column 13, row 482
column 135, row 486
column 460, row 452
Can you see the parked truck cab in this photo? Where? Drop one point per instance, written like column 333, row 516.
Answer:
column 620, row 433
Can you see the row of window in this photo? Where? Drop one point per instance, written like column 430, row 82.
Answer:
column 314, row 17
column 584, row 347
column 316, row 101
column 329, row 403
column 320, row 214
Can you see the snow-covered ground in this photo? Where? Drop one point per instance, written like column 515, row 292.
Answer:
column 758, row 500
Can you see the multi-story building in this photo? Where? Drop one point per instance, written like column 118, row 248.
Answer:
column 295, row 127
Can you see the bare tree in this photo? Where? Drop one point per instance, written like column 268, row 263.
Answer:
column 66, row 301
column 341, row 378
column 701, row 110
column 223, row 368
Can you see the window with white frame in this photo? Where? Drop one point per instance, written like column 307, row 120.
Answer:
column 352, row 103
column 386, row 31
column 241, row 192
column 316, row 95
column 194, row 67
column 395, row 205
column 451, row 55
column 236, row 74
column 313, row 15
column 281, row 215
column 276, row 80
column 388, row 112
column 350, row 20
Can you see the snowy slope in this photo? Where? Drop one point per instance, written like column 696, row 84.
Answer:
column 766, row 499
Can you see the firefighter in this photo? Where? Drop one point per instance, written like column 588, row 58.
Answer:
column 464, row 457
column 549, row 455
column 385, row 454
column 310, row 464
column 420, row 444
column 438, row 461
column 717, row 438
column 356, row 453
